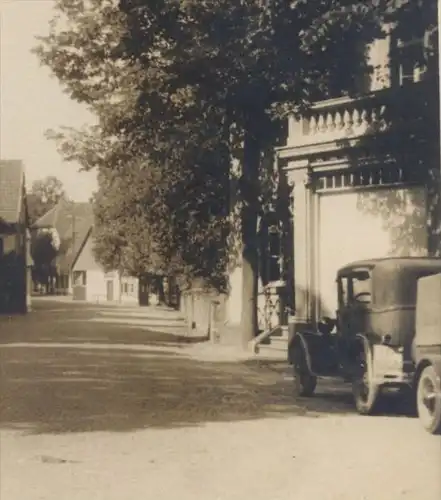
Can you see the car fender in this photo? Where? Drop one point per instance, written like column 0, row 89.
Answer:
column 316, row 347
column 425, row 361
column 366, row 339
column 304, row 339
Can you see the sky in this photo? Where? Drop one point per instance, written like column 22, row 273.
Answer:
column 31, row 101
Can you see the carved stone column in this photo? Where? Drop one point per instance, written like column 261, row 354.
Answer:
column 298, row 173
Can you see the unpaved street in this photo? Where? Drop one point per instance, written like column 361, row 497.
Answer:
column 109, row 403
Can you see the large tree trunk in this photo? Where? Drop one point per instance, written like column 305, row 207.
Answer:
column 144, row 290
column 250, row 173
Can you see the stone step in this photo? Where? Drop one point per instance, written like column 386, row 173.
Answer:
column 279, row 342
column 271, row 352
column 280, row 333
column 275, row 346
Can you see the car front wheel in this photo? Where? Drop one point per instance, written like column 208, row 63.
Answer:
column 429, row 400
column 365, row 391
column 304, row 382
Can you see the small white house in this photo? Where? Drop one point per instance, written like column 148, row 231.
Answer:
column 91, row 283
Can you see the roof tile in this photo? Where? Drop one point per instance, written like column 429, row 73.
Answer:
column 11, row 190
column 72, row 221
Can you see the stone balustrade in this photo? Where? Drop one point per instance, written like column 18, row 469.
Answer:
column 338, row 119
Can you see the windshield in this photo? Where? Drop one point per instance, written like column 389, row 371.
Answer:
column 355, row 288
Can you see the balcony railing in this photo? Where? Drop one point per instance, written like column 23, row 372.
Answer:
column 336, row 119
column 350, row 118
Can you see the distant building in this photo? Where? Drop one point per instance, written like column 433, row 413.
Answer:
column 77, row 272
column 69, row 223
column 91, row 283
column 15, row 261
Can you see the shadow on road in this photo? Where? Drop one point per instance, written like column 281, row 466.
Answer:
column 72, row 374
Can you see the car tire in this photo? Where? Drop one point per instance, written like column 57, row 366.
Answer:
column 429, row 400
column 365, row 391
column 304, row 382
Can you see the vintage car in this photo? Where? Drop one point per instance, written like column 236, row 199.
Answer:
column 370, row 343
column 427, row 352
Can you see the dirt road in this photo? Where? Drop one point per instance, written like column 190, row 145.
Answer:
column 104, row 404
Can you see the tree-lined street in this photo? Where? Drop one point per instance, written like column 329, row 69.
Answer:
column 181, row 91
column 104, row 402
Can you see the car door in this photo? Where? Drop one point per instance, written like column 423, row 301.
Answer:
column 355, row 298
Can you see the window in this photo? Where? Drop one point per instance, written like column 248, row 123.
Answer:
column 360, row 288
column 414, row 58
column 355, row 288
column 411, row 65
column 124, row 288
column 79, row 278
column 273, row 253
column 343, row 291
column 270, row 251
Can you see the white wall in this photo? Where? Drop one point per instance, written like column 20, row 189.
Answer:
column 355, row 226
column 131, row 296
column 96, row 286
column 234, row 302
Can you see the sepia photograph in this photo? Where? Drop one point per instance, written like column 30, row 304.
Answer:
column 220, row 250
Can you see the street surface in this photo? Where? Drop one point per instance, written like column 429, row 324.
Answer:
column 113, row 403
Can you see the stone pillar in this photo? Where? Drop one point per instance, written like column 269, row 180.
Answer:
column 298, row 177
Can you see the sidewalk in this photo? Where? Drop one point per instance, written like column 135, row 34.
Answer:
column 105, row 303
column 223, row 348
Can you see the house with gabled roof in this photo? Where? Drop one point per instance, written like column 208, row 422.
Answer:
column 15, row 261
column 90, row 282
column 69, row 223
column 77, row 272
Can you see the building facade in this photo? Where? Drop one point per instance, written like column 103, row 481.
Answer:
column 358, row 177
column 363, row 171
column 15, row 260
column 91, row 283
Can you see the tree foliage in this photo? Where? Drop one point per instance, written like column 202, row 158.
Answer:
column 122, row 235
column 178, row 86
column 44, row 251
column 44, row 195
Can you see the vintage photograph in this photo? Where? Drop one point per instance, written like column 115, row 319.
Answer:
column 220, row 250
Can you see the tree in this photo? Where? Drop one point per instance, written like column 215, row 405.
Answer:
column 122, row 234
column 181, row 83
column 250, row 60
column 44, row 249
column 44, row 195
column 136, row 232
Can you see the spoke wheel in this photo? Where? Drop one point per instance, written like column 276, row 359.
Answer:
column 304, row 382
column 429, row 400
column 364, row 390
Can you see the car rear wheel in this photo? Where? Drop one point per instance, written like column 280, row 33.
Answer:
column 304, row 382
column 429, row 400
column 365, row 391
